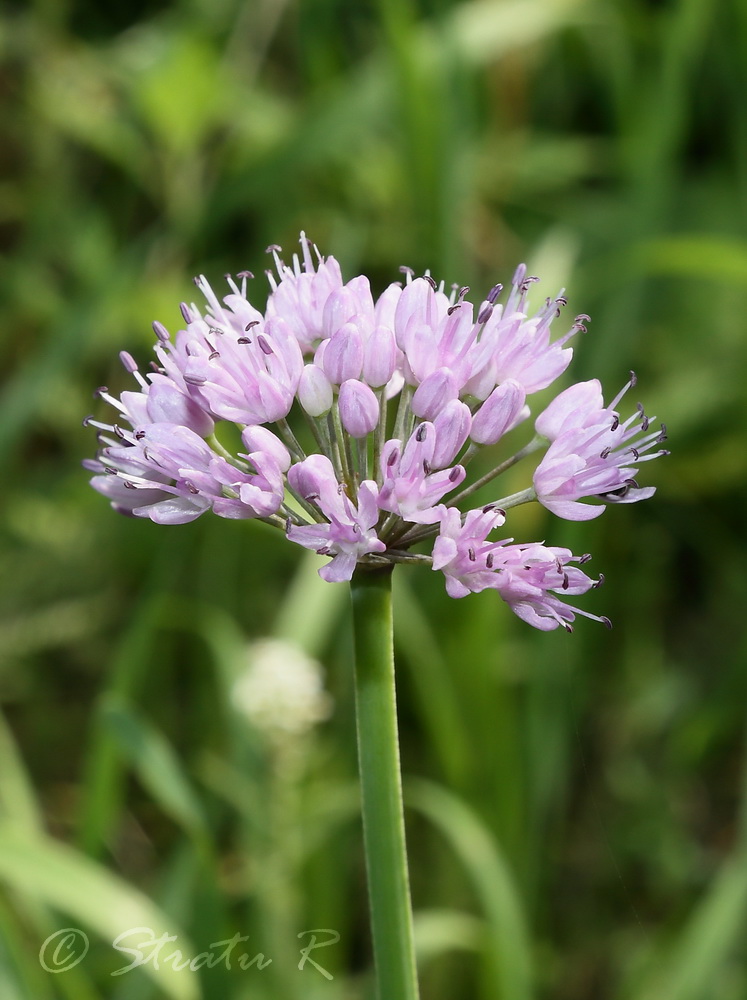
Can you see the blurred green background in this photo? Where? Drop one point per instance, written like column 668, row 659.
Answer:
column 578, row 804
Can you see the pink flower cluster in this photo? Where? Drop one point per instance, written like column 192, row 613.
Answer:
column 390, row 400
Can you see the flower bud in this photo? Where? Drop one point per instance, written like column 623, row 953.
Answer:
column 343, row 355
column 498, row 413
column 452, row 426
column 379, row 357
column 359, row 408
column 314, row 391
column 433, row 393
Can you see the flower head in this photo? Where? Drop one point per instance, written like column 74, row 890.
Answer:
column 359, row 418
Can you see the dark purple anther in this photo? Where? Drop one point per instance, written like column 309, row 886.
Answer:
column 195, row 379
column 254, row 322
column 471, row 554
column 186, row 313
column 264, row 345
column 485, row 313
column 421, row 433
column 493, row 294
column 455, row 473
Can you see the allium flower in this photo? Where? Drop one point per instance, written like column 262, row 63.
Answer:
column 359, row 418
column 281, row 691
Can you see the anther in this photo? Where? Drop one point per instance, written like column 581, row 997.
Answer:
column 489, row 560
column 215, row 354
column 605, row 621
column 245, row 274
column 244, row 340
column 455, row 473
column 431, row 281
column 615, row 423
column 471, row 554
column 264, row 345
column 598, row 583
column 566, row 582
column 160, row 331
column 254, row 322
column 100, row 391
column 195, row 379
column 485, row 313
column 186, row 314
column 453, row 309
column 493, row 294
column 421, row 433
column 273, row 248
column 426, row 467
column 605, row 453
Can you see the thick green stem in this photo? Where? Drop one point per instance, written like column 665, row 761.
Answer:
column 381, row 786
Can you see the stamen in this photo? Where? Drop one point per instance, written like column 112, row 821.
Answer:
column 160, row 331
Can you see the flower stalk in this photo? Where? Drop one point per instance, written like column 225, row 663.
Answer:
column 381, row 786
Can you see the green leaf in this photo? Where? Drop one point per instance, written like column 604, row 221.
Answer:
column 46, row 871
column 156, row 764
column 508, row 939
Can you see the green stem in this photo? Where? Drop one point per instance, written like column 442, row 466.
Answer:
column 381, row 786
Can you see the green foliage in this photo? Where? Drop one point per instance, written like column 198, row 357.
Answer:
column 580, row 834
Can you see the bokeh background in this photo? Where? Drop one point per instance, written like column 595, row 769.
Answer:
column 577, row 804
